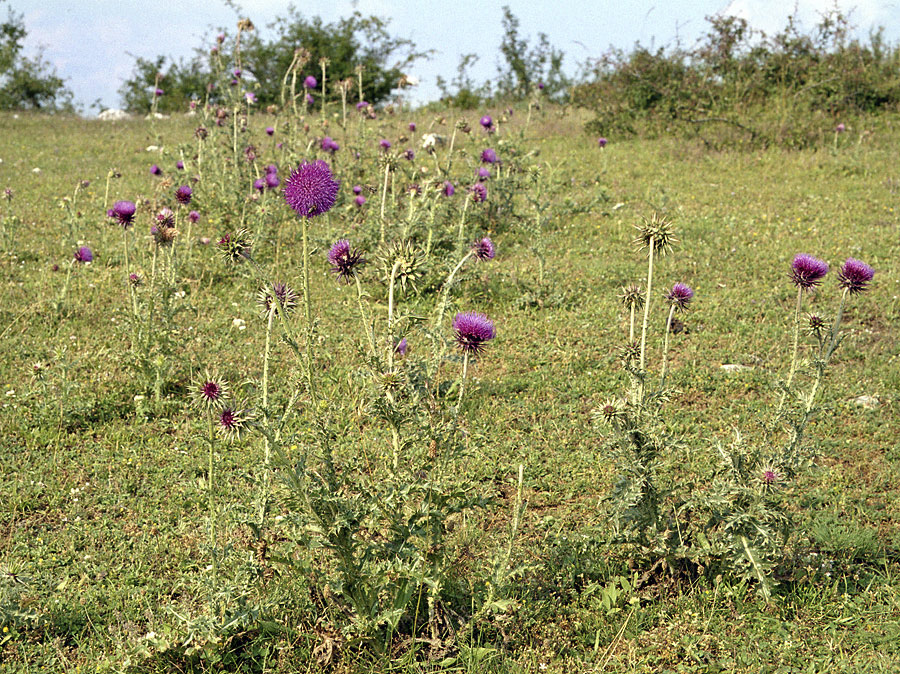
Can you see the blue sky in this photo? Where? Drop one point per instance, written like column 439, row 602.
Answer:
column 90, row 42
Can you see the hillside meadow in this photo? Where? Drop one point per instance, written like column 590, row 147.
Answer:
column 129, row 536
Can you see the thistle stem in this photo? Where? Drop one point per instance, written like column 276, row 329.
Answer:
column 631, row 326
column 462, row 380
column 646, row 315
column 796, row 346
column 665, row 357
column 390, row 325
column 367, row 324
column 265, row 410
column 384, row 187
column 307, row 310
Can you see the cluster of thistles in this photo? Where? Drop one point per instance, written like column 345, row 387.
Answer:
column 212, row 395
column 808, row 271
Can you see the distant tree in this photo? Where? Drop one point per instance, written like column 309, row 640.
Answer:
column 27, row 83
column 348, row 44
column 526, row 67
column 351, row 44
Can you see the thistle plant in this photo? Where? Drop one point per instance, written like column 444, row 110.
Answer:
column 736, row 518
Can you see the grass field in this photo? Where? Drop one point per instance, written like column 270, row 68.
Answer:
column 104, row 512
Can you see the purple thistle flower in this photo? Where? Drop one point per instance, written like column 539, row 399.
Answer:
column 479, row 192
column 483, row 174
column 486, row 122
column 329, row 145
column 135, row 279
column 237, row 73
column 259, row 184
column 179, row 165
column 385, row 144
column 193, row 216
column 277, row 296
column 601, row 142
column 855, row 275
column 488, row 156
column 183, row 195
column 448, row 190
column 360, row 201
column 210, row 393
column 123, row 211
column 680, row 296
column 110, row 213
column 310, row 82
column 270, row 130
column 158, row 92
column 484, row 249
column 361, row 106
column 473, row 330
column 344, row 260
column 155, row 170
column 250, row 96
column 84, row 254
column 311, row 189
column 840, row 128
column 769, row 476
column 540, row 85
column 412, row 126
column 808, row 271
column 357, row 189
column 271, row 168
column 409, row 155
column 309, row 99
column 272, row 181
column 402, row 347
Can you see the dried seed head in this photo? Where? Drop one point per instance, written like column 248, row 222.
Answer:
column 409, row 261
column 277, row 297
column 658, row 232
column 632, row 297
column 236, row 247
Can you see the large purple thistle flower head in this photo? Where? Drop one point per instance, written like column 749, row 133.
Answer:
column 183, row 195
column 311, row 189
column 479, row 192
column 449, row 189
column 855, row 275
column 488, row 156
column 808, row 271
column 680, row 296
column 486, row 122
column 473, row 330
column 484, row 249
column 123, row 211
column 84, row 254
column 310, row 82
column 344, row 260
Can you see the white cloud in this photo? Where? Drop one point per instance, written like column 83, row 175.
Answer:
column 770, row 16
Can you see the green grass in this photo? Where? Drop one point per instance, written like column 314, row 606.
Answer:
column 104, row 499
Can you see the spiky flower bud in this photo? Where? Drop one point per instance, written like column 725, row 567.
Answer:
column 409, row 261
column 632, row 297
column 278, row 297
column 236, row 247
column 611, row 412
column 658, row 232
